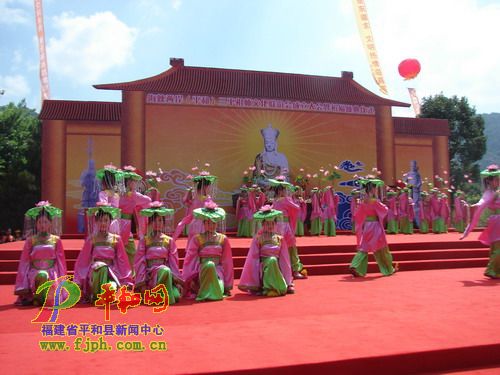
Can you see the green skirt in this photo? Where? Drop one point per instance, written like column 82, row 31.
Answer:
column 392, row 226
column 493, row 268
column 424, row 226
column 273, row 282
column 330, row 229
column 316, row 227
column 211, row 287
column 405, row 225
column 359, row 264
column 299, row 228
column 244, row 228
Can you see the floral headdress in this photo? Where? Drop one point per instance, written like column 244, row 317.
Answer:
column 210, row 212
column 267, row 213
column 42, row 208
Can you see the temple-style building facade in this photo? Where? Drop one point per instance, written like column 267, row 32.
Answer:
column 188, row 116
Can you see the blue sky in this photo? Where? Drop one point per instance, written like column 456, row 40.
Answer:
column 91, row 42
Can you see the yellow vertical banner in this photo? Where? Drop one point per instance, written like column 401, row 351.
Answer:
column 365, row 32
column 414, row 101
column 44, row 71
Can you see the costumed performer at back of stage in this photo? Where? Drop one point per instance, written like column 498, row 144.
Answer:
column 330, row 203
column 284, row 203
column 317, row 215
column 112, row 187
column 491, row 235
column 267, row 269
column 298, row 198
column 244, row 214
column 103, row 258
column 42, row 258
column 392, row 213
column 406, row 212
column 208, row 265
column 460, row 212
column 370, row 234
column 438, row 225
column 203, row 192
column 424, row 212
column 130, row 202
column 157, row 260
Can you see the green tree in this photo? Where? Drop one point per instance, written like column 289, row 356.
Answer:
column 20, row 163
column 467, row 142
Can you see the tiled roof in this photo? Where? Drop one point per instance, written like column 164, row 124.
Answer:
column 182, row 79
column 83, row 111
column 421, row 126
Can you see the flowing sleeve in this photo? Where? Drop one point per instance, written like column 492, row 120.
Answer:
column 285, row 266
column 22, row 282
column 173, row 259
column 227, row 264
column 293, row 211
column 252, row 201
column 237, row 212
column 122, row 263
column 140, row 263
column 185, row 221
column 250, row 276
column 60, row 258
column 142, row 200
column 191, row 260
column 486, row 199
column 82, row 264
column 103, row 197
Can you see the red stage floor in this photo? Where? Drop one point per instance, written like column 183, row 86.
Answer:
column 412, row 322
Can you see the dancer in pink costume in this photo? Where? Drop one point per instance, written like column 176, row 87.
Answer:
column 204, row 187
column 491, row 235
column 393, row 213
column 317, row 214
column 445, row 211
column 208, row 266
column 298, row 198
column 354, row 204
column 405, row 213
column 42, row 258
column 424, row 212
column 157, row 260
column 267, row 269
column 284, row 203
column 112, row 187
column 370, row 233
column 130, row 203
column 244, row 214
column 438, row 224
column 460, row 212
column 103, row 258
column 330, row 202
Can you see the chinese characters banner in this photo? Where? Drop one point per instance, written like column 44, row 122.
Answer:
column 414, row 101
column 44, row 71
column 366, row 35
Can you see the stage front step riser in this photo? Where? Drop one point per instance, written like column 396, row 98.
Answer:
column 9, row 277
column 316, row 259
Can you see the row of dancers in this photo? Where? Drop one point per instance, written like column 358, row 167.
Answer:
column 272, row 261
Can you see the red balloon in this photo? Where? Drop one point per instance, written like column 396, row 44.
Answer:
column 409, row 68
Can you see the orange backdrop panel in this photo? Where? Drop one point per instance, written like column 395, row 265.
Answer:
column 179, row 137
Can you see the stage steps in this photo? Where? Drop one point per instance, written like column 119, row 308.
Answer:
column 320, row 255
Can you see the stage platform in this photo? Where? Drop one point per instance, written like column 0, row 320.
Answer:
column 321, row 255
column 432, row 321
